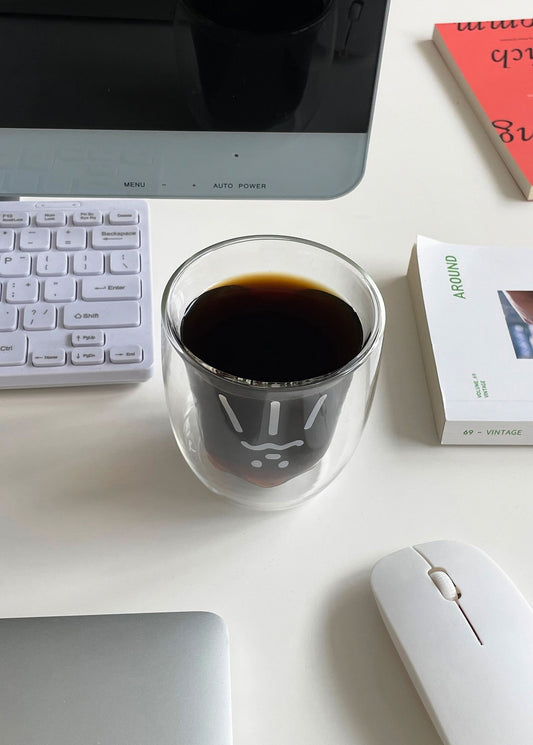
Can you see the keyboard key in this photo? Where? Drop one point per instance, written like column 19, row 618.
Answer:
column 52, row 264
column 87, row 217
column 127, row 288
column 52, row 219
column 89, row 262
column 126, row 355
column 18, row 265
column 14, row 219
column 13, row 348
column 22, row 290
column 116, row 237
column 128, row 262
column 49, row 358
column 119, row 314
column 8, row 318
column 94, row 338
column 39, row 317
column 123, row 217
column 60, row 290
column 7, row 240
column 34, row 239
column 93, row 356
column 71, row 239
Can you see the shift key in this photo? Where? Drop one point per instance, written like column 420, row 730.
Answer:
column 115, row 314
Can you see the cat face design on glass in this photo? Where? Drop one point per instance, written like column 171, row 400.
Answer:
column 286, row 438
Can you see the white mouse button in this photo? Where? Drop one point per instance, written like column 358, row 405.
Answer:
column 489, row 599
column 410, row 602
column 444, row 584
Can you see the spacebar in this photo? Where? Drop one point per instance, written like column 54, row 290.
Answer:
column 102, row 315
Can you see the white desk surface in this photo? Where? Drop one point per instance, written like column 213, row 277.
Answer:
column 100, row 514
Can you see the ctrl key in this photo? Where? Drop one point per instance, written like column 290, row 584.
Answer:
column 13, row 349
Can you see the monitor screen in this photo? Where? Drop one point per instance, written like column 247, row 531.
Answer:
column 188, row 98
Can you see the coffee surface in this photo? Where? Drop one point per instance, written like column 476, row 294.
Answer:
column 272, row 328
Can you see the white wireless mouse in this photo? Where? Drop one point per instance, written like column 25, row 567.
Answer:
column 465, row 635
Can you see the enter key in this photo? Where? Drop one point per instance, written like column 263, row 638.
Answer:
column 125, row 288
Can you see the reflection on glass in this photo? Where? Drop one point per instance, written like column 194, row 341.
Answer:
column 251, row 67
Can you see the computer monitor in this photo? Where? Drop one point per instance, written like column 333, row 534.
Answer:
column 187, row 98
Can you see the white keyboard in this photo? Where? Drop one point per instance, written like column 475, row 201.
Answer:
column 75, row 293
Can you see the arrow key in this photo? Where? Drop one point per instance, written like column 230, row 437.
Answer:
column 90, row 356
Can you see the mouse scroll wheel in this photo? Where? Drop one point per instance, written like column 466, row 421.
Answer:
column 444, row 584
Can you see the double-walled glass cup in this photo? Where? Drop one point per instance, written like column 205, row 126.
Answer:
column 268, row 445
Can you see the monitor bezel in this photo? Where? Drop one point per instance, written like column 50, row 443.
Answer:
column 184, row 164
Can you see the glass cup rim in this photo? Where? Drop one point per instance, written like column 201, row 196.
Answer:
column 376, row 333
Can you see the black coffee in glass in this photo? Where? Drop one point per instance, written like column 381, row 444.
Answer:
column 269, row 331
column 272, row 328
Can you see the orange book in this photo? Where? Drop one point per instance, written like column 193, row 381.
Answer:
column 493, row 63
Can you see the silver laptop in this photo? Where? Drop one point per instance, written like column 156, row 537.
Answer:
column 147, row 679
